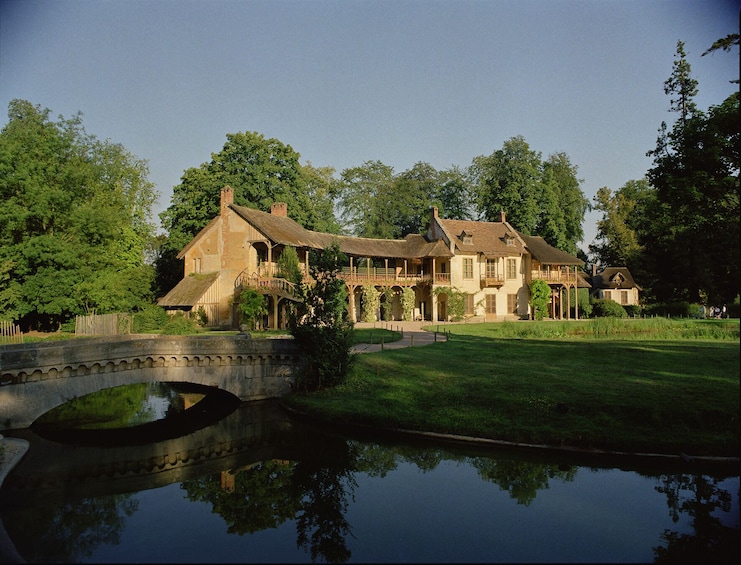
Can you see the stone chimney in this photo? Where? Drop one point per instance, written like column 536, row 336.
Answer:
column 502, row 216
column 279, row 209
column 227, row 199
column 594, row 269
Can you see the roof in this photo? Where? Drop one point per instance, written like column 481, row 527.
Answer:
column 284, row 230
column 188, row 291
column 488, row 238
column 547, row 254
column 614, row 277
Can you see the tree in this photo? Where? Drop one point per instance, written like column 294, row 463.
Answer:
column 367, row 201
column 509, row 179
column 540, row 295
column 261, row 171
column 320, row 323
column 539, row 198
column 454, row 195
column 74, row 220
column 288, row 265
column 693, row 242
column 252, row 306
column 624, row 222
column 681, row 86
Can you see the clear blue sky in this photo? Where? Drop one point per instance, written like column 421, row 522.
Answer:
column 344, row 82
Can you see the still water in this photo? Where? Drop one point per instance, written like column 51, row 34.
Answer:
column 260, row 486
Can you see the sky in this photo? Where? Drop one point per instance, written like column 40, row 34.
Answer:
column 344, row 82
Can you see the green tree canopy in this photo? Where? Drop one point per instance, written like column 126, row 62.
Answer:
column 74, row 220
column 539, row 198
column 693, row 242
column 624, row 221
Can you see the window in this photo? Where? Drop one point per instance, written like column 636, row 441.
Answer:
column 196, row 264
column 512, row 303
column 491, row 269
column 467, row 268
column 469, row 305
column 511, row 268
column 491, row 304
column 624, row 297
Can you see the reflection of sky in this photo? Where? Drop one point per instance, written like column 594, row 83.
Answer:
column 155, row 406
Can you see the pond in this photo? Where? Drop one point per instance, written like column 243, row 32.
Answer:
column 262, row 486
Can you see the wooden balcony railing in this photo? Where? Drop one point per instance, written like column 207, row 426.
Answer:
column 562, row 275
column 492, row 279
column 266, row 284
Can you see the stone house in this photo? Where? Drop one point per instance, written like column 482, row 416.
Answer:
column 490, row 262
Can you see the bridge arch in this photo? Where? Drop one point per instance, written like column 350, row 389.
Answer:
column 34, row 378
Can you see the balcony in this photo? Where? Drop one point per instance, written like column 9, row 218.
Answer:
column 382, row 277
column 564, row 275
column 492, row 279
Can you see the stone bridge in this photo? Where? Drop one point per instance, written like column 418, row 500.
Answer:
column 34, row 378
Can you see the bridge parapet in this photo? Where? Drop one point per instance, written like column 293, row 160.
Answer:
column 35, row 378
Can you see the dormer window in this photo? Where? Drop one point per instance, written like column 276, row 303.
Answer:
column 466, row 238
column 509, row 239
column 617, row 279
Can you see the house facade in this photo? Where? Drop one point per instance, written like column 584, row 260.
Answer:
column 490, row 262
column 615, row 283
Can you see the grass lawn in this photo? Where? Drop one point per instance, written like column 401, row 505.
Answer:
column 627, row 385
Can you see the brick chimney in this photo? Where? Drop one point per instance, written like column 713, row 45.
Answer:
column 279, row 209
column 227, row 199
column 502, row 216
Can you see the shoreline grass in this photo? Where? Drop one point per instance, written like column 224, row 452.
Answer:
column 624, row 386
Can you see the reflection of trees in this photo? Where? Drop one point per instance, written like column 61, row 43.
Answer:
column 521, row 479
column 697, row 496
column 324, row 482
column 259, row 498
column 71, row 531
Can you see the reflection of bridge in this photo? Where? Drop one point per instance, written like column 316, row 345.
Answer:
column 34, row 378
column 255, row 432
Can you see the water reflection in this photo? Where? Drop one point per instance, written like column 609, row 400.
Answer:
column 259, row 486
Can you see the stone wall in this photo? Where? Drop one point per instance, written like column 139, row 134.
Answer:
column 34, row 378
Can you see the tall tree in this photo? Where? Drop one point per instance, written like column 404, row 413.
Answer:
column 74, row 221
column 509, row 179
column 539, row 198
column 681, row 86
column 454, row 195
column 367, row 200
column 694, row 241
column 623, row 225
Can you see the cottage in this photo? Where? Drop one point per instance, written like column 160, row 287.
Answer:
column 490, row 262
column 615, row 283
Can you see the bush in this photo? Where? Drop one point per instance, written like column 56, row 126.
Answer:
column 603, row 308
column 150, row 319
column 633, row 310
column 180, row 324
column 672, row 309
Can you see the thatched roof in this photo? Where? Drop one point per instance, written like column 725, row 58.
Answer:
column 614, row 277
column 188, row 291
column 285, row 231
column 547, row 254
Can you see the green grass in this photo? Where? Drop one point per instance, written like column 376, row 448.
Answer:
column 375, row 335
column 611, row 386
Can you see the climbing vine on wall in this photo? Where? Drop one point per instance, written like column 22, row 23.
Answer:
column 371, row 302
column 407, row 304
column 387, row 293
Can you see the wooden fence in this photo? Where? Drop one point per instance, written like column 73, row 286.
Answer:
column 10, row 333
column 103, row 324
